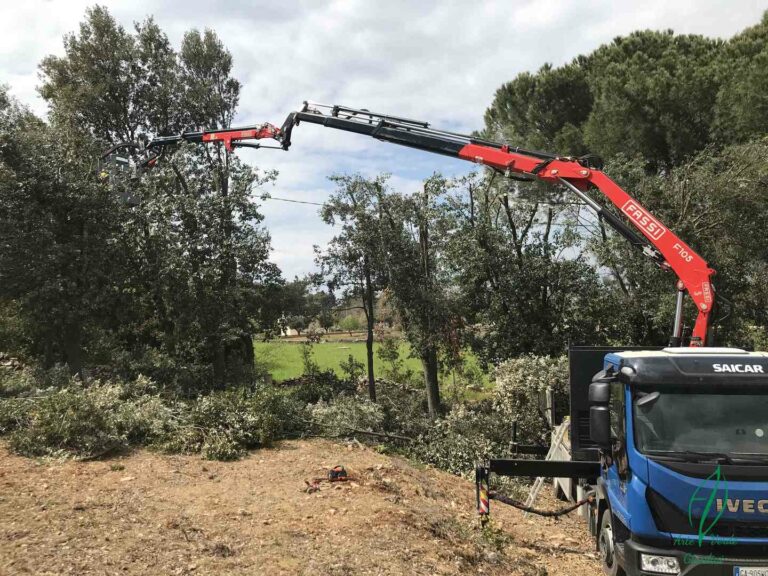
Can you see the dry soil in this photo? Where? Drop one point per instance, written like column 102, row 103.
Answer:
column 148, row 513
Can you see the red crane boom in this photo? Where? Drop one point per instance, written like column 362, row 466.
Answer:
column 579, row 175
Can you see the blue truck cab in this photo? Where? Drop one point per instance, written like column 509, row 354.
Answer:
column 682, row 437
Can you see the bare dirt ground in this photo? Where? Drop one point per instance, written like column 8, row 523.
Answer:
column 148, row 513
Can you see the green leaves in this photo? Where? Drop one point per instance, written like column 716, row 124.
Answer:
column 653, row 93
column 94, row 85
column 542, row 110
column 679, row 120
column 520, row 386
column 741, row 113
column 173, row 285
column 210, row 94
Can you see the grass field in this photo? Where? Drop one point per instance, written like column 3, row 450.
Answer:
column 283, row 358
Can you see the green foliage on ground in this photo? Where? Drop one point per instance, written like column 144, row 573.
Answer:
column 520, row 392
column 83, row 421
column 224, row 425
column 49, row 414
column 341, row 416
column 86, row 420
column 165, row 275
column 467, row 433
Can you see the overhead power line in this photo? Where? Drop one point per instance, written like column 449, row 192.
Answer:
column 289, row 200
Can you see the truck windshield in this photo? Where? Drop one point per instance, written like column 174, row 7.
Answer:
column 733, row 424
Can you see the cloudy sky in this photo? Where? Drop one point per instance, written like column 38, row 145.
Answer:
column 436, row 61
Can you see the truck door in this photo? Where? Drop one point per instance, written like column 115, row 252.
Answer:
column 618, row 472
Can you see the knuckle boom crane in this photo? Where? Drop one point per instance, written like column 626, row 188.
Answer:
column 648, row 429
column 637, row 446
column 577, row 174
column 152, row 150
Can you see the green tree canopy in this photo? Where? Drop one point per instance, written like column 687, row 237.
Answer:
column 173, row 283
column 354, row 260
column 680, row 120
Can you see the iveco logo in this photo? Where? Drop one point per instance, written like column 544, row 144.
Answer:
column 739, row 368
column 747, row 506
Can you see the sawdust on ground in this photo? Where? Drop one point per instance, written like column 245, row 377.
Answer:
column 148, row 513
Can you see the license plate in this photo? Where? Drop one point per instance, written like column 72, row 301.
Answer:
column 750, row 571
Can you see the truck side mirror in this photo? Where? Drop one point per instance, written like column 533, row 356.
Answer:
column 600, row 426
column 599, row 412
column 599, row 393
column 648, row 400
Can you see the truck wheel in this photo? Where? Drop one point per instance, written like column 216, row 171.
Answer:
column 605, row 546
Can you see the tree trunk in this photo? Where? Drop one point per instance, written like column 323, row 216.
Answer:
column 248, row 356
column 429, row 356
column 471, row 207
column 369, row 326
column 223, row 360
column 219, row 366
column 72, row 348
column 48, row 360
column 369, row 360
column 429, row 362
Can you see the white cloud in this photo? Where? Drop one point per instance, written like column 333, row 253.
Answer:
column 439, row 61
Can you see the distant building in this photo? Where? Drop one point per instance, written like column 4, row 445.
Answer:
column 288, row 331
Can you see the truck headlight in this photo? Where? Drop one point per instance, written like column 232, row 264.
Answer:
column 659, row 564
